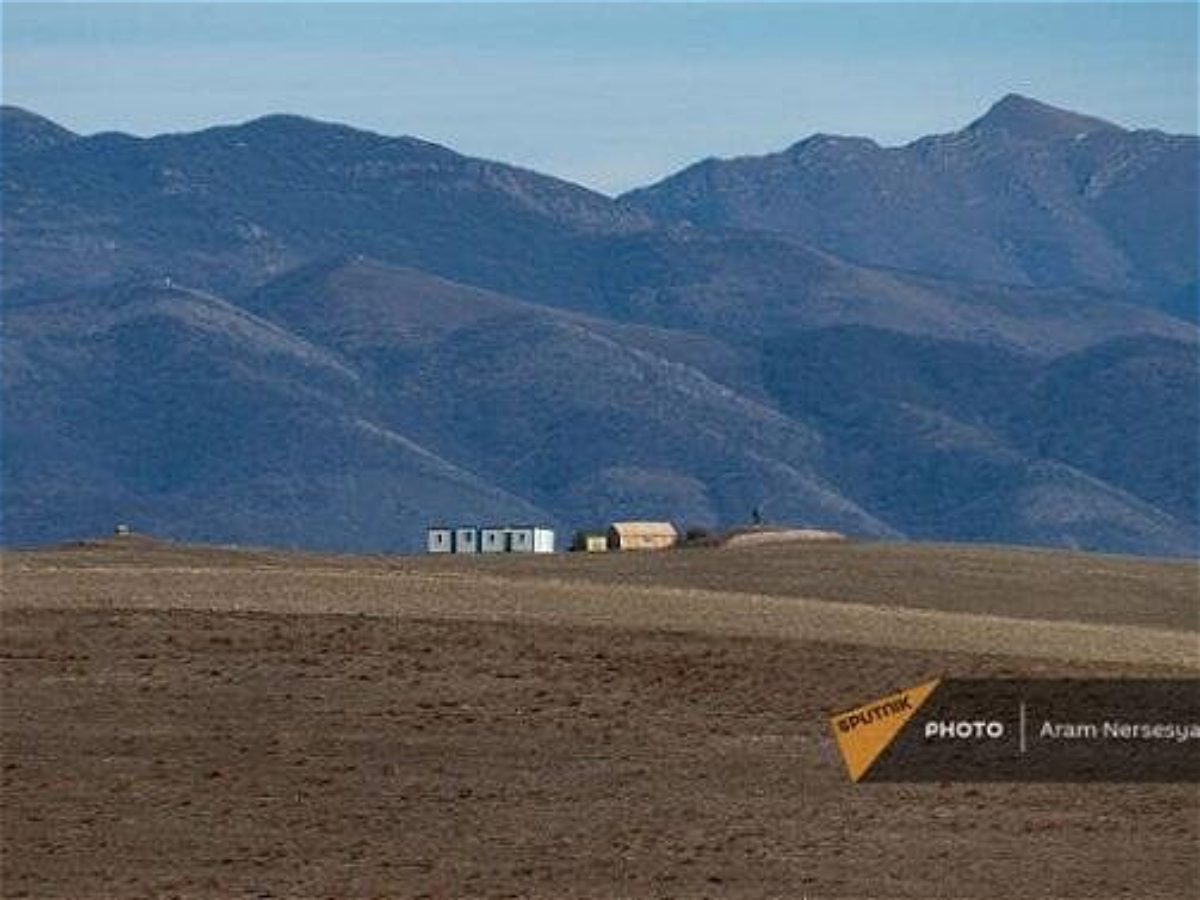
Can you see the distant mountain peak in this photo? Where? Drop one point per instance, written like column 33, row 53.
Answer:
column 1029, row 119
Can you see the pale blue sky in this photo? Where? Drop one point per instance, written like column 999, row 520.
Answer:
column 612, row 96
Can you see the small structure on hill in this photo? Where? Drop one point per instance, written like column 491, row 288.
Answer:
column 492, row 539
column 439, row 539
column 642, row 536
column 466, row 540
column 122, row 530
column 530, row 539
column 590, row 542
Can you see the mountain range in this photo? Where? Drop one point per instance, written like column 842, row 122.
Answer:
column 298, row 333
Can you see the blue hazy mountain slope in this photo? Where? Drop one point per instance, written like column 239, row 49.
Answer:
column 1093, row 449
column 1027, row 194
column 24, row 132
column 294, row 332
column 230, row 207
column 186, row 416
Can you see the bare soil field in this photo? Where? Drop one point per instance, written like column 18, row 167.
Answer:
column 207, row 722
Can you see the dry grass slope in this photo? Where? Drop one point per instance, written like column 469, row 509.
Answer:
column 210, row 722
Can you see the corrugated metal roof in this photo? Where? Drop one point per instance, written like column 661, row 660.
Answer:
column 645, row 529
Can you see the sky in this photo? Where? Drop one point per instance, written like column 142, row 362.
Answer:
column 612, row 96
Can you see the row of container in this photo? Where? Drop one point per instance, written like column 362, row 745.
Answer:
column 505, row 539
column 539, row 539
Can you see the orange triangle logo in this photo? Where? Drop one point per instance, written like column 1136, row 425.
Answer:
column 863, row 733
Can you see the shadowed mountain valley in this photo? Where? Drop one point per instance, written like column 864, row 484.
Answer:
column 298, row 333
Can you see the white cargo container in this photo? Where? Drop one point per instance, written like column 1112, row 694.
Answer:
column 520, row 540
column 493, row 540
column 440, row 540
column 466, row 540
column 530, row 539
column 543, row 540
column 507, row 539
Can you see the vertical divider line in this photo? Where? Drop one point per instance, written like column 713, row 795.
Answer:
column 1021, row 707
